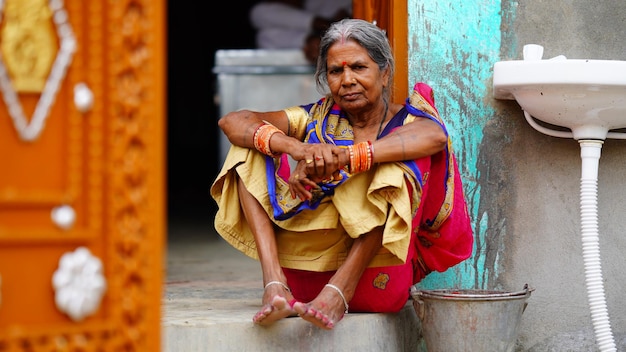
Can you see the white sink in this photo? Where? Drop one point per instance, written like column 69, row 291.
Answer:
column 586, row 96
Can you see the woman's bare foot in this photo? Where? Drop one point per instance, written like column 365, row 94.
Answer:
column 326, row 310
column 277, row 304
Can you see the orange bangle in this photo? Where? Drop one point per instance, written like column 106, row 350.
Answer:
column 262, row 137
column 351, row 165
column 361, row 156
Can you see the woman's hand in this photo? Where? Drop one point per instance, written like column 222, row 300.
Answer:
column 321, row 160
column 300, row 182
column 316, row 163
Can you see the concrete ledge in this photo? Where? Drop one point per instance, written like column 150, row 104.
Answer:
column 355, row 332
column 213, row 291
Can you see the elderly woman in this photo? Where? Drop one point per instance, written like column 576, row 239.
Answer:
column 346, row 202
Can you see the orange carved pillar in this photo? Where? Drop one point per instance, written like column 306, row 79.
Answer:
column 82, row 191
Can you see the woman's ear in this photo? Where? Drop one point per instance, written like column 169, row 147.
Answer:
column 386, row 77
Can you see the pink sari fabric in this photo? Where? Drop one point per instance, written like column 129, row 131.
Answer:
column 380, row 289
column 444, row 232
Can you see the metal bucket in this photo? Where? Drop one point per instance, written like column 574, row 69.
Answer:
column 470, row 320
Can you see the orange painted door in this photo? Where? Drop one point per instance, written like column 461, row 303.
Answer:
column 82, row 165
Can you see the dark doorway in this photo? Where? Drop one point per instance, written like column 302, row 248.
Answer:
column 195, row 33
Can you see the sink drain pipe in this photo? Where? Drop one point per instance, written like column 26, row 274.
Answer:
column 590, row 151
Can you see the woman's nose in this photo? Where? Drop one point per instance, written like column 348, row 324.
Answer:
column 348, row 76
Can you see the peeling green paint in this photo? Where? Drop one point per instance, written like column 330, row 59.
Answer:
column 452, row 47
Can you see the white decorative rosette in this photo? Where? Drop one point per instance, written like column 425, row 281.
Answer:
column 79, row 284
column 64, row 216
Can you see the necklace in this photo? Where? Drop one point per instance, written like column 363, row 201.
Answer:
column 382, row 121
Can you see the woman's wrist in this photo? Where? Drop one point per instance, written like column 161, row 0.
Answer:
column 361, row 156
column 262, row 136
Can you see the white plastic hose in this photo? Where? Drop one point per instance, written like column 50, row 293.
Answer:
column 590, row 151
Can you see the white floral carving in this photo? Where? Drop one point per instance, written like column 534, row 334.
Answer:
column 79, row 284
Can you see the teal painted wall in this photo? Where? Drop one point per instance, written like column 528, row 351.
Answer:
column 452, row 47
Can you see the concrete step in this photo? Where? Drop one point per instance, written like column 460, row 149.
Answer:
column 356, row 332
column 212, row 291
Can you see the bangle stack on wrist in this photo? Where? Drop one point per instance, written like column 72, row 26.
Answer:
column 262, row 137
column 361, row 155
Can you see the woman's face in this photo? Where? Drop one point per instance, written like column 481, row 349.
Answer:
column 355, row 81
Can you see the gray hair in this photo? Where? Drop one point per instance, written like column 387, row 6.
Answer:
column 368, row 35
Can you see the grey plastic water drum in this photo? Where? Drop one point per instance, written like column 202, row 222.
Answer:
column 470, row 320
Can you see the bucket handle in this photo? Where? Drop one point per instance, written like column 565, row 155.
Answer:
column 528, row 291
column 418, row 305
